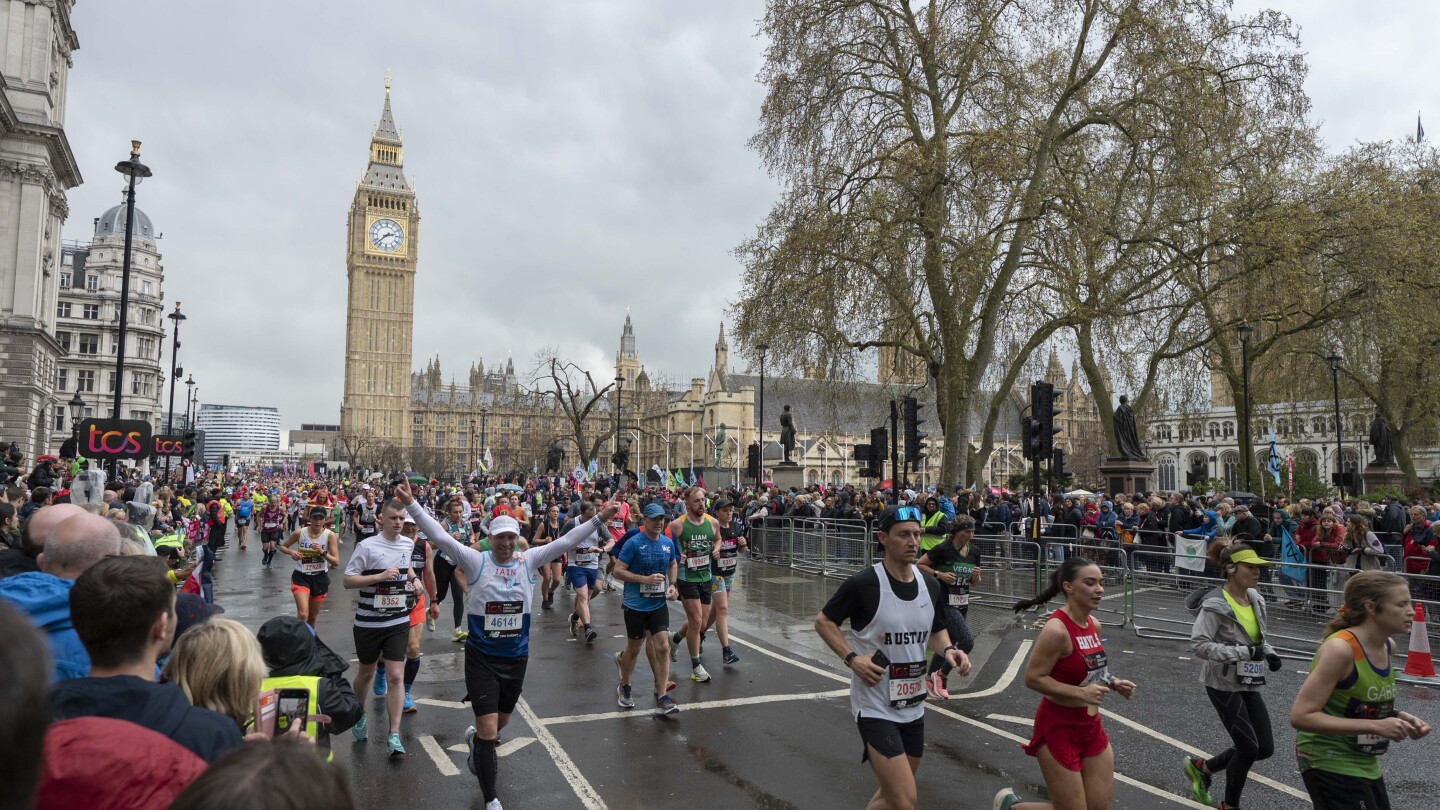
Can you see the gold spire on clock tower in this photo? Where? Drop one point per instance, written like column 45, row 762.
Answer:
column 382, row 246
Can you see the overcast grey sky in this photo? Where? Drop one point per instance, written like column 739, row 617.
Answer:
column 571, row 158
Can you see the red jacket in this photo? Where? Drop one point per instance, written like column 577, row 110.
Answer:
column 1417, row 544
column 1323, row 548
column 101, row 763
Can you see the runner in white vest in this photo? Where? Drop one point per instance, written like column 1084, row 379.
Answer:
column 895, row 612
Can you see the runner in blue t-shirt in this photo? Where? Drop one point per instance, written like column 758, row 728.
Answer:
column 647, row 564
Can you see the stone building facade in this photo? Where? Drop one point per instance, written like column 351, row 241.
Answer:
column 37, row 167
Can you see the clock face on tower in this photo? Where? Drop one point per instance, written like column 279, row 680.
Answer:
column 386, row 234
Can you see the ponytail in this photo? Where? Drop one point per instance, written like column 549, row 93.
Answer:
column 1067, row 572
column 1366, row 586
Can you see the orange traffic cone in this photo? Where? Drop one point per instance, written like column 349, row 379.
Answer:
column 1418, row 661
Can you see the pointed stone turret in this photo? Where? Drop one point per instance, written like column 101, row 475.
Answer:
column 1055, row 372
column 627, row 360
column 720, row 369
column 387, row 153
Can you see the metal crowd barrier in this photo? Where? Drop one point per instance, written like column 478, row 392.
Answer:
column 826, row 546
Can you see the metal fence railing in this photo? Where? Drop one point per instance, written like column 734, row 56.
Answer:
column 1147, row 580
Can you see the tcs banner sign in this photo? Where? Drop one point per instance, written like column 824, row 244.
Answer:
column 115, row 439
column 167, row 445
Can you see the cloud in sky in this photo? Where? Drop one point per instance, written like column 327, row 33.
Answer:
column 570, row 158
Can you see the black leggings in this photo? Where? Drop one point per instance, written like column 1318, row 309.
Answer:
column 445, row 573
column 960, row 636
column 1248, row 723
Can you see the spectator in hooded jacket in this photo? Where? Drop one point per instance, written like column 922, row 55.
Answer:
column 292, row 650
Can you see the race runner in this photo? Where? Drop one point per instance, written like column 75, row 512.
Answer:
column 647, row 563
column 314, row 550
column 496, row 654
column 422, row 561
column 695, row 535
column 895, row 612
column 1344, row 715
column 449, row 579
column 723, row 568
column 582, row 574
column 380, row 568
column 956, row 565
column 1068, row 667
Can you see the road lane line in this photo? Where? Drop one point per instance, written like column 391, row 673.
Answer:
column 1006, row 678
column 1010, row 718
column 1193, row 751
column 578, row 783
column 444, row 704
column 708, row 704
column 791, row 661
column 1132, row 593
column 505, row 749
column 438, row 756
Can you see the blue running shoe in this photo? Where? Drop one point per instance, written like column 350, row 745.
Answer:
column 409, row 707
column 359, row 730
column 379, row 681
column 396, row 749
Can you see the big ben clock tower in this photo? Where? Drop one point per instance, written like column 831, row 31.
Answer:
column 382, row 246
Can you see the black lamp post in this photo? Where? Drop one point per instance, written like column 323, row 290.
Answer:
column 484, row 415
column 474, row 440
column 760, row 425
column 1245, row 443
column 1334, row 359
column 135, row 171
column 175, row 371
column 77, row 410
column 189, row 401
column 619, row 403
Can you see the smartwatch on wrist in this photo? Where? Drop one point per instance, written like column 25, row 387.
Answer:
column 850, row 657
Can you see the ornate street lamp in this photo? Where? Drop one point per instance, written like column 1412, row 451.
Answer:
column 762, row 348
column 1245, row 329
column 1334, row 359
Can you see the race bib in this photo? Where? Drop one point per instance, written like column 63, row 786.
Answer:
column 1096, row 669
column 391, row 597
column 959, row 599
column 697, row 563
column 1372, row 744
column 587, row 558
column 726, row 564
column 312, row 565
column 1250, row 673
column 653, row 589
column 504, row 619
column 906, row 684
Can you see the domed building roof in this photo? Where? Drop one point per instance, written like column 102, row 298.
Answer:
column 112, row 223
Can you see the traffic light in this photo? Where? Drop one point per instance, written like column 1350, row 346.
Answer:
column 879, row 443
column 914, row 447
column 1030, row 438
column 752, row 461
column 1043, row 410
column 1058, row 464
column 189, row 445
column 865, row 454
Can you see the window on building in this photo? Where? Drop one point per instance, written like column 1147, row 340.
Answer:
column 460, row 439
column 92, row 282
column 65, row 281
column 143, row 416
column 440, row 438
column 417, row 438
column 85, row 381
column 59, row 418
column 439, row 420
column 146, row 288
column 418, row 419
column 62, row 379
column 146, row 347
column 63, row 338
column 91, row 312
column 88, row 344
column 1167, row 474
column 62, row 309
column 114, row 344
column 110, row 387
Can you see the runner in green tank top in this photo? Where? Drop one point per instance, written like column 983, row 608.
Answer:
column 698, row 542
column 1345, row 715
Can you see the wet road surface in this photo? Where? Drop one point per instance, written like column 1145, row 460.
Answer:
column 774, row 731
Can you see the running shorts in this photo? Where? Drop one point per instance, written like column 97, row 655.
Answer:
column 582, row 577
column 1072, row 734
column 492, row 684
column 374, row 643
column 722, row 583
column 417, row 616
column 317, row 584
column 1335, row 791
column 695, row 590
column 891, row 739
column 242, row 521
column 640, row 622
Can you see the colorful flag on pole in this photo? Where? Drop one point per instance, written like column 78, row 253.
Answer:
column 1292, row 567
column 692, row 476
column 592, row 469
column 489, row 460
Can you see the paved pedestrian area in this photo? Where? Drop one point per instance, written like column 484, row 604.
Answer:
column 774, row 731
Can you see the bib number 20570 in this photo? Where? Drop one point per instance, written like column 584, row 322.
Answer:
column 907, row 684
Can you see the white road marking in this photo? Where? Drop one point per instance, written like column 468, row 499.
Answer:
column 1132, row 593
column 1005, row 718
column 707, row 704
column 444, row 704
column 505, row 749
column 438, row 756
column 834, row 676
column 1193, row 751
column 582, row 787
column 1006, row 677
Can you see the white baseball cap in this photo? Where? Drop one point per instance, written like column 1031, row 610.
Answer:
column 504, row 524
column 408, row 519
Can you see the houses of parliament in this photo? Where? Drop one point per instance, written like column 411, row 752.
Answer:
column 434, row 422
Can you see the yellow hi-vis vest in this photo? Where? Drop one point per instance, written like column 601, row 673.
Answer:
column 314, row 728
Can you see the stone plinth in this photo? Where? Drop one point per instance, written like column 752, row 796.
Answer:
column 1387, row 475
column 787, row 475
column 1126, row 475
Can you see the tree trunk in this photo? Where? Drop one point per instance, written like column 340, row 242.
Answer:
column 1099, row 391
column 1403, row 457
